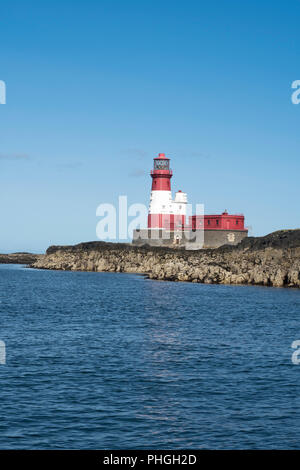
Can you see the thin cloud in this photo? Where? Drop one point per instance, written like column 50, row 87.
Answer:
column 14, row 156
column 70, row 165
column 137, row 173
column 200, row 155
column 135, row 152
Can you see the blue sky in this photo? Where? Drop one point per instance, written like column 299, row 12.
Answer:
column 95, row 89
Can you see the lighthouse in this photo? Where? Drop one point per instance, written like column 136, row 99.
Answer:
column 164, row 212
column 168, row 224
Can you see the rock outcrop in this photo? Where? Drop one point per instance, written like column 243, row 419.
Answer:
column 273, row 260
column 19, row 258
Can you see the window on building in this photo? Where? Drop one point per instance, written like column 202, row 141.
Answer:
column 217, row 222
column 237, row 222
column 208, row 222
column 160, row 164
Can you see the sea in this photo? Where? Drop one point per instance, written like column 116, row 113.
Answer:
column 118, row 361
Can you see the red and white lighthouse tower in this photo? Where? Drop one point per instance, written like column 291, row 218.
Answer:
column 163, row 211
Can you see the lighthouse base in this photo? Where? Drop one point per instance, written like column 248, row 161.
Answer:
column 188, row 239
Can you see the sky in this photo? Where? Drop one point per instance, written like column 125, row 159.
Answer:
column 96, row 89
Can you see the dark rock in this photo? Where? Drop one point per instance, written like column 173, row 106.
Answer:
column 19, row 258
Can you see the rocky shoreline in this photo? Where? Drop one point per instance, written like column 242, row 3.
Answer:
column 19, row 258
column 273, row 260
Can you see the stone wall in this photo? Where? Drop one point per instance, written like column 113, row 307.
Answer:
column 191, row 240
column 217, row 238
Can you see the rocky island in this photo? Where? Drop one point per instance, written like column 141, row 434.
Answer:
column 19, row 258
column 273, row 260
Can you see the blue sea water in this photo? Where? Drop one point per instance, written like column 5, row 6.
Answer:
column 108, row 361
